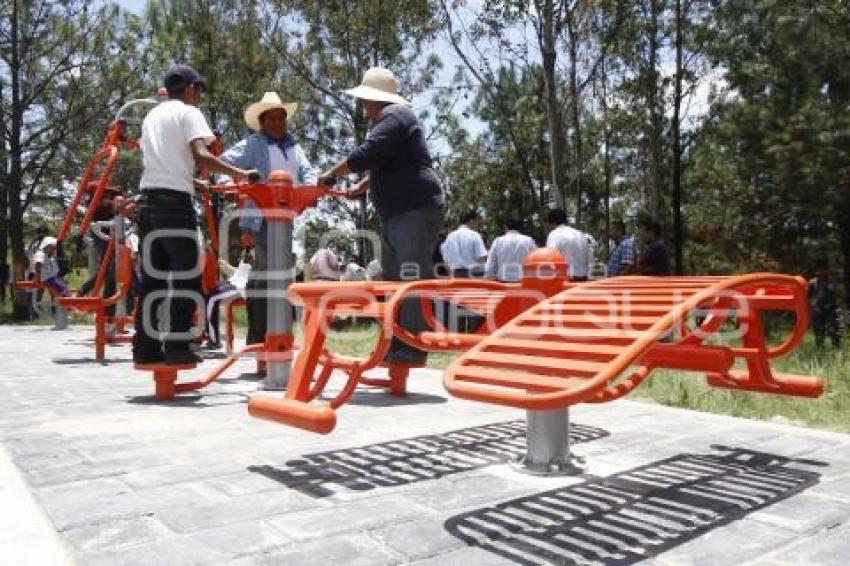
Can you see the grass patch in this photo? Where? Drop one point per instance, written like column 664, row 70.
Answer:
column 690, row 391
column 830, row 411
column 681, row 389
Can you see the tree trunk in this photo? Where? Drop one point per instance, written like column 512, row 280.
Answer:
column 578, row 159
column 4, row 188
column 678, row 231
column 606, row 133
column 546, row 38
column 15, row 178
column 655, row 113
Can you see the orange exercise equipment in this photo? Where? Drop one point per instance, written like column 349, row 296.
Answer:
column 548, row 344
column 279, row 202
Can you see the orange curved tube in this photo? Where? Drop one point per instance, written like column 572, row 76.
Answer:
column 100, row 189
column 82, row 189
column 320, row 419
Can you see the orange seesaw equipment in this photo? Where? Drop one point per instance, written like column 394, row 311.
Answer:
column 548, row 344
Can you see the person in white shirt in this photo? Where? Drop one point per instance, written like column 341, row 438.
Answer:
column 353, row 271
column 464, row 250
column 174, row 143
column 373, row 270
column 223, row 293
column 576, row 246
column 47, row 271
column 508, row 253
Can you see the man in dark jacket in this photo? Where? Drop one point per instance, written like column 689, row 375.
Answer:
column 404, row 189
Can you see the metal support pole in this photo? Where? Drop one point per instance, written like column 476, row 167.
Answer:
column 279, row 252
column 119, row 232
column 548, row 443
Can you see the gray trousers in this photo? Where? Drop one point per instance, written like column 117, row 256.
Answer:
column 256, row 290
column 407, row 254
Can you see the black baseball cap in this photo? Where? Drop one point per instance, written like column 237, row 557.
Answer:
column 182, row 75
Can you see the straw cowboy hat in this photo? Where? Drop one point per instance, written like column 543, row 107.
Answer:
column 378, row 84
column 270, row 101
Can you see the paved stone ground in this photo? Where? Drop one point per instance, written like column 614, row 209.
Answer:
column 419, row 480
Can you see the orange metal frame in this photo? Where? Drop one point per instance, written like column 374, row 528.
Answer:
column 96, row 304
column 277, row 199
column 105, row 159
column 548, row 344
column 598, row 341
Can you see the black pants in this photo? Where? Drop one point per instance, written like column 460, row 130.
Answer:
column 170, row 275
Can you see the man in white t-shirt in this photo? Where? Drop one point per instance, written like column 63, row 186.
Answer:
column 576, row 246
column 464, row 250
column 508, row 253
column 174, row 143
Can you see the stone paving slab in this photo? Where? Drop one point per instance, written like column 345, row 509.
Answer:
column 425, row 479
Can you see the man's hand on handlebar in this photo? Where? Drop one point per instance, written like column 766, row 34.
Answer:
column 201, row 185
column 358, row 189
column 251, row 176
column 326, row 179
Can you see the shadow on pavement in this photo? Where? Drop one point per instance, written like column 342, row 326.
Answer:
column 193, row 400
column 106, row 362
column 410, row 460
column 636, row 514
column 380, row 398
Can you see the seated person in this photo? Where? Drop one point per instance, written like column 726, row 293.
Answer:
column 47, row 268
column 324, row 265
column 47, row 271
column 225, row 292
column 353, row 271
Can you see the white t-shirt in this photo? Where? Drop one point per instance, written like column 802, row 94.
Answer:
column 507, row 255
column 354, row 272
column 133, row 242
column 462, row 248
column 167, row 132
column 575, row 246
column 277, row 162
column 49, row 265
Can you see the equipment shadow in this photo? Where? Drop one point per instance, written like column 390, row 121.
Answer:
column 636, row 514
column 411, row 460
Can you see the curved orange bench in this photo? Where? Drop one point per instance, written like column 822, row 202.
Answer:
column 549, row 344
column 598, row 341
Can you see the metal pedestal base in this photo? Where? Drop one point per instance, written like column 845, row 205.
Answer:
column 548, row 444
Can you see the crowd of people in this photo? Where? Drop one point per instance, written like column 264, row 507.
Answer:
column 396, row 171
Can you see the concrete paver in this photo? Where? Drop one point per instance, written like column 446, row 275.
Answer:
column 100, row 473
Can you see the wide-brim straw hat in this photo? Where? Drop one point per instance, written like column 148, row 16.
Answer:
column 270, row 101
column 380, row 85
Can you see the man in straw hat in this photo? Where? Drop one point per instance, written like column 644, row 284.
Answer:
column 271, row 148
column 404, row 189
column 174, row 143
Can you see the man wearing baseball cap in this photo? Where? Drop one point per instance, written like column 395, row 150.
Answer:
column 174, row 143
